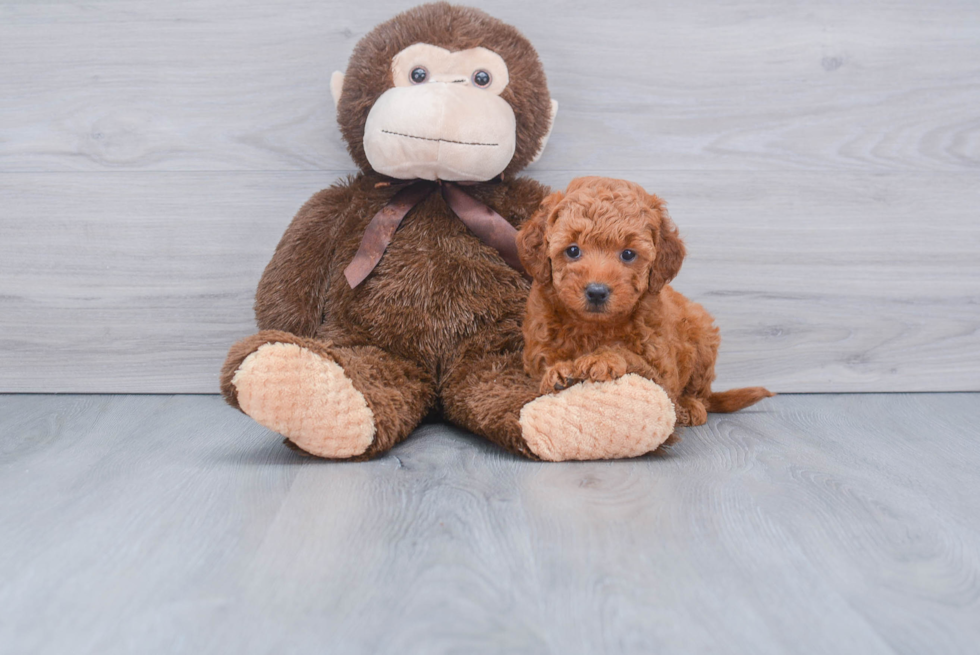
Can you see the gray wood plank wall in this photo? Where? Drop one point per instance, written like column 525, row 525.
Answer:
column 822, row 160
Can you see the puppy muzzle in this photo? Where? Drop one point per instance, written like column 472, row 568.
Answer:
column 596, row 296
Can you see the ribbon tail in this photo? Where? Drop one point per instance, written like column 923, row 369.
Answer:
column 491, row 228
column 381, row 229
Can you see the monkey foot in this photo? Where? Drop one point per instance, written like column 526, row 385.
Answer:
column 306, row 398
column 627, row 417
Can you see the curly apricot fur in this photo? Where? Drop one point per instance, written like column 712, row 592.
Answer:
column 644, row 327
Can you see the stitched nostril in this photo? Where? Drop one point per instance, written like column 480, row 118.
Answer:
column 597, row 293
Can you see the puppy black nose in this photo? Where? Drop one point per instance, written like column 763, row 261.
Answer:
column 597, row 293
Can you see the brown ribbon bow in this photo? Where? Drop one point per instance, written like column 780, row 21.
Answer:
column 482, row 221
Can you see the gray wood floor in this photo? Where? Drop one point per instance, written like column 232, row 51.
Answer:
column 172, row 524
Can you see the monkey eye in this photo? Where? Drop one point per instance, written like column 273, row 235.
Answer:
column 573, row 252
column 481, row 79
column 627, row 255
column 419, row 74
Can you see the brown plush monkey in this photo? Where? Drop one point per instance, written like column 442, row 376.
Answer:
column 389, row 296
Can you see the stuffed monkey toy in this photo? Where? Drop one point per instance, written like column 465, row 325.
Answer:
column 398, row 290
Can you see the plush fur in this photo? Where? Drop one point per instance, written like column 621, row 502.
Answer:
column 577, row 423
column 437, row 325
column 642, row 326
column 453, row 28
column 440, row 317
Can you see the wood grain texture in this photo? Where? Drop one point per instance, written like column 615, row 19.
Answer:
column 821, row 159
column 808, row 524
column 819, row 281
column 643, row 85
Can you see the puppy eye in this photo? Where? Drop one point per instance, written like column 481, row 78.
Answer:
column 573, row 252
column 627, row 255
column 481, row 79
column 419, row 74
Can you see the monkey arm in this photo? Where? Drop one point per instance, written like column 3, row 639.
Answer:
column 292, row 291
column 523, row 197
column 516, row 200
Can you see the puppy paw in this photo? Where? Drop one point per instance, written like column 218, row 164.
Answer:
column 599, row 368
column 559, row 377
column 691, row 411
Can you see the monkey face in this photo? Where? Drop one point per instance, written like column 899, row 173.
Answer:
column 444, row 118
column 463, row 99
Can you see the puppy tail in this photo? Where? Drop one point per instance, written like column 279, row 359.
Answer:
column 736, row 399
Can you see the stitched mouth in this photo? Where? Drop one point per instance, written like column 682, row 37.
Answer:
column 425, row 138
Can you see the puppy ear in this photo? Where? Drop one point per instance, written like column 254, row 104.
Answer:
column 532, row 240
column 670, row 250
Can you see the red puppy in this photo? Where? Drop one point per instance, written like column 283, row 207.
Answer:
column 601, row 256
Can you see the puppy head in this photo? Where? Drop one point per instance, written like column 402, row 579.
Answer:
column 602, row 245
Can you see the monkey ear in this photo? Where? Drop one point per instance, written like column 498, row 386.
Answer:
column 670, row 250
column 551, row 125
column 532, row 240
column 336, row 87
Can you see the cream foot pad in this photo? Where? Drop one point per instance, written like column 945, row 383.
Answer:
column 627, row 417
column 306, row 398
